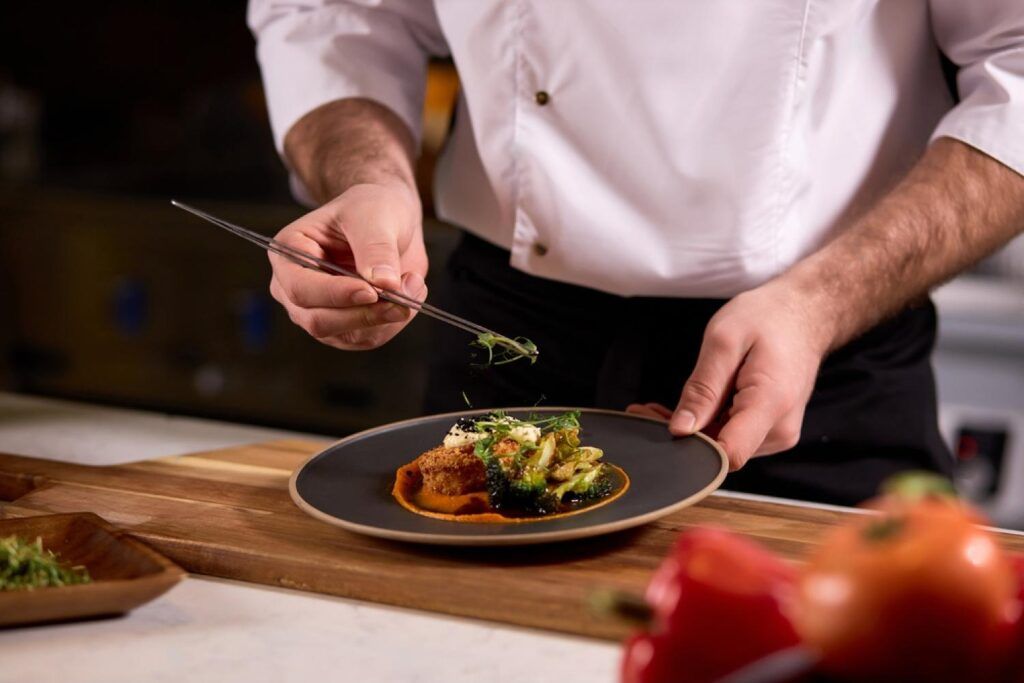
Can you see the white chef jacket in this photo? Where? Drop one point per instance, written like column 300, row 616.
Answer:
column 688, row 148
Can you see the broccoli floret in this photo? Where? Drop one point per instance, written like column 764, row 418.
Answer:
column 600, row 487
column 530, row 482
column 529, row 492
column 495, row 478
column 587, row 485
column 526, row 492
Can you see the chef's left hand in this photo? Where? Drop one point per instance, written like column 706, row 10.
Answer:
column 755, row 372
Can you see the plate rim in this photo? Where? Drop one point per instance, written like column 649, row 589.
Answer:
column 520, row 539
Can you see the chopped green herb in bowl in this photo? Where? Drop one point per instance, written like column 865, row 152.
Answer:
column 27, row 565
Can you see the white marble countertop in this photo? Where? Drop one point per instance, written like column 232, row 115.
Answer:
column 214, row 630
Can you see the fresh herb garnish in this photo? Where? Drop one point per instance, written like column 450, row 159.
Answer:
column 498, row 422
column 554, row 423
column 25, row 566
column 503, row 350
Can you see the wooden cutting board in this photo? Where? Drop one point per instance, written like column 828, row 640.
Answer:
column 227, row 513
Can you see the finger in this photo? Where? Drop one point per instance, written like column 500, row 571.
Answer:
column 784, row 435
column 311, row 289
column 662, row 411
column 715, row 426
column 374, row 247
column 414, row 287
column 709, row 384
column 755, row 413
column 325, row 323
column 644, row 410
column 414, row 258
column 373, row 337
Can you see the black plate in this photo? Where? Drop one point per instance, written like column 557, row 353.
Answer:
column 349, row 483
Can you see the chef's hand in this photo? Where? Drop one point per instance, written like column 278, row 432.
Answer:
column 375, row 229
column 754, row 374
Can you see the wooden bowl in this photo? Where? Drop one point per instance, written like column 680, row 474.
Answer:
column 125, row 573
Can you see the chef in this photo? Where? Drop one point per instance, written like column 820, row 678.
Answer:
column 732, row 208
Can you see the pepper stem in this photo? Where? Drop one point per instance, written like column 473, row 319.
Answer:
column 621, row 605
column 915, row 485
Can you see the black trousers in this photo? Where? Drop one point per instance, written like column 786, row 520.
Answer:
column 872, row 413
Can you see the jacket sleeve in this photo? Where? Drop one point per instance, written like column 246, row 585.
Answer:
column 985, row 39
column 315, row 51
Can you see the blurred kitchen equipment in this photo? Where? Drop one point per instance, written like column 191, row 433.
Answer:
column 1008, row 262
column 979, row 368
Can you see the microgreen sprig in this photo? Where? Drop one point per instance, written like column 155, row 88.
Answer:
column 502, row 350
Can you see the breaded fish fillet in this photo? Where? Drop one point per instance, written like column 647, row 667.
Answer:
column 452, row 471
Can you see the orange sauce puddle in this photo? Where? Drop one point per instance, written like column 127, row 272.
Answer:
column 476, row 506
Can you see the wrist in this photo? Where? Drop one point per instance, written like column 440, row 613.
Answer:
column 333, row 178
column 822, row 312
column 350, row 142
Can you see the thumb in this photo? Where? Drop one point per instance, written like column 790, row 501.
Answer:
column 707, row 387
column 374, row 247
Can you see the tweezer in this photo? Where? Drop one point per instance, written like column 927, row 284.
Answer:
column 307, row 260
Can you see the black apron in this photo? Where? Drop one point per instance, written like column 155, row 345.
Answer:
column 872, row 413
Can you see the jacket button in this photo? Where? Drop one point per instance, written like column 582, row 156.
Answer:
column 542, row 97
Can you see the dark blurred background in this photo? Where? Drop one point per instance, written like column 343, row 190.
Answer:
column 107, row 293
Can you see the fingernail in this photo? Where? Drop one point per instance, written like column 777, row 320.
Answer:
column 363, row 297
column 394, row 313
column 685, row 421
column 413, row 284
column 379, row 273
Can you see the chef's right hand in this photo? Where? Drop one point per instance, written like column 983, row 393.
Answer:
column 375, row 229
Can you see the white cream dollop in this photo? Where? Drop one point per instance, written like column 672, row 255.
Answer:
column 457, row 436
column 520, row 431
column 525, row 432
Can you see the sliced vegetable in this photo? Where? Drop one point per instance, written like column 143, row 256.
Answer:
column 545, row 452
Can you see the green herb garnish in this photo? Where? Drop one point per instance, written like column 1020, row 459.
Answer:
column 554, row 423
column 25, row 566
column 502, row 350
column 499, row 424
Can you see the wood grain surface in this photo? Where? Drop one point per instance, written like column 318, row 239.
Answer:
column 227, row 513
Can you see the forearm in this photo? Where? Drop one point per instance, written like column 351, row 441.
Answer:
column 350, row 142
column 955, row 206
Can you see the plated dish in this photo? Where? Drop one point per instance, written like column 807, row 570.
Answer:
column 496, row 468
column 351, row 484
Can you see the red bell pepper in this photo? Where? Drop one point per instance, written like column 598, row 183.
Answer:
column 718, row 602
